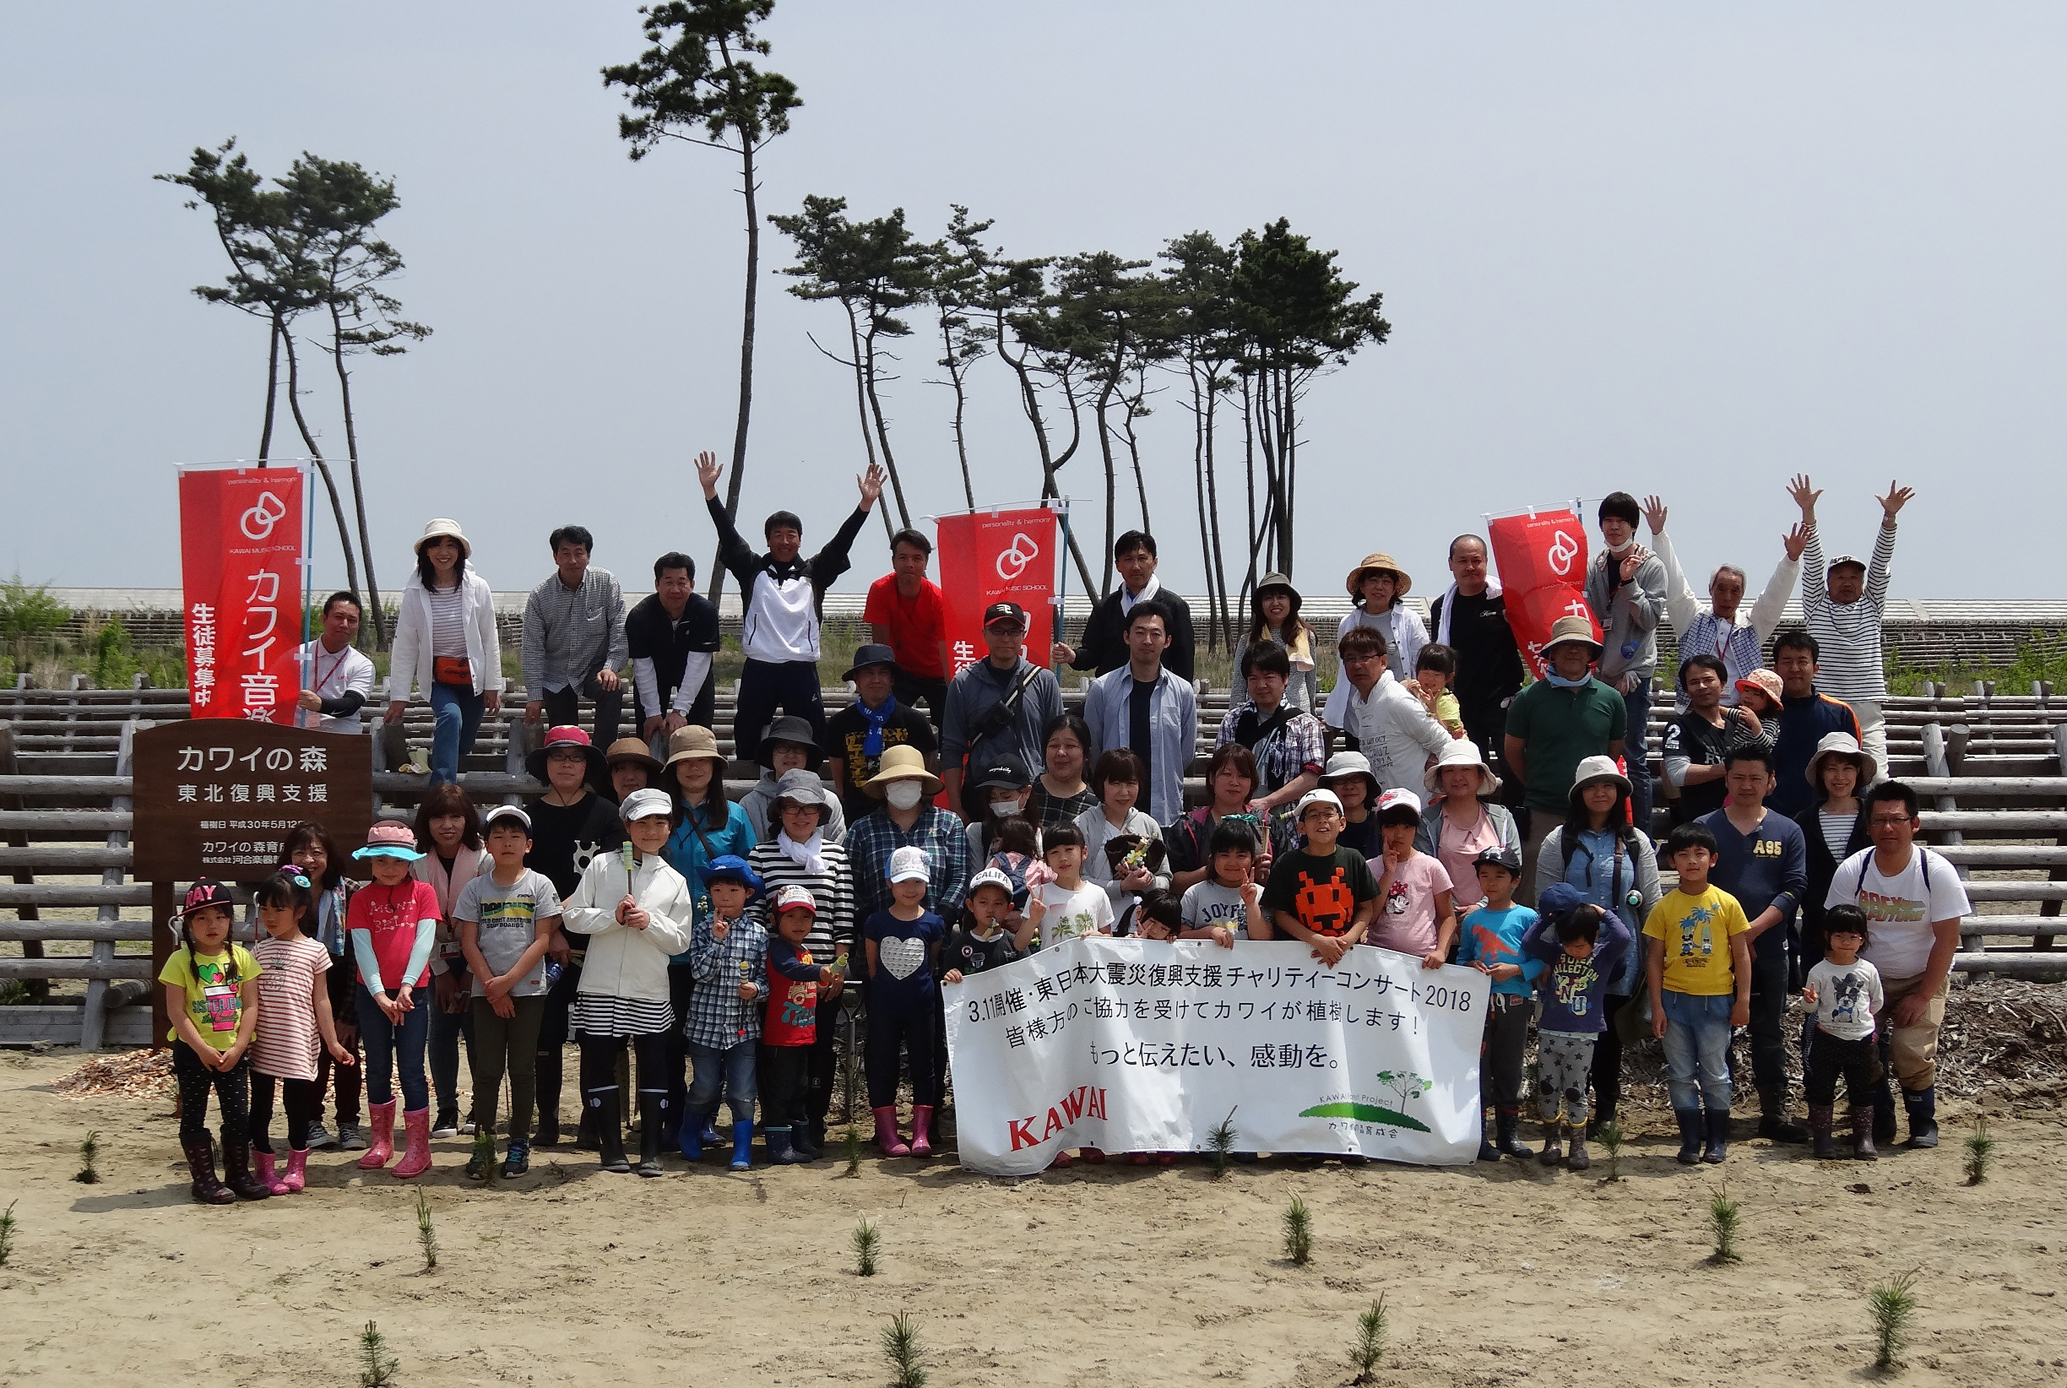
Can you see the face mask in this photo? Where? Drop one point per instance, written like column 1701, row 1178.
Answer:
column 1008, row 805
column 904, row 795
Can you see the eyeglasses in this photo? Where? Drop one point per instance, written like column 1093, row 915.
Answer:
column 1882, row 821
column 1364, row 659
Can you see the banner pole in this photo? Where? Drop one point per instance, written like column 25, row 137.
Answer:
column 1061, row 585
column 308, row 596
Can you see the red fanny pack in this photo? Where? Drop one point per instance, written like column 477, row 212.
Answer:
column 453, row 669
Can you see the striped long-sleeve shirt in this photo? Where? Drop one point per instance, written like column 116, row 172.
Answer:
column 1848, row 635
column 836, row 927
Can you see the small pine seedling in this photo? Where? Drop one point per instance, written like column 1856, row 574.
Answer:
column 1980, row 1152
column 376, row 1366
column 89, row 1153
column 425, row 1235
column 1370, row 1340
column 1298, row 1232
column 1220, row 1143
column 1609, row 1136
column 1893, row 1308
column 7, row 1232
column 481, row 1165
column 852, row 1142
column 1725, row 1222
column 866, row 1242
column 901, row 1347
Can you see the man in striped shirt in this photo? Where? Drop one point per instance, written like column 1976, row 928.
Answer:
column 1842, row 606
column 1738, row 643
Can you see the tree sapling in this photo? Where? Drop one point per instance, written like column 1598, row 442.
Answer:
column 376, row 1366
column 866, row 1242
column 1609, row 1136
column 1893, row 1308
column 900, row 1340
column 1725, row 1222
column 89, row 1153
column 1980, row 1152
column 1298, row 1232
column 1220, row 1144
column 425, row 1235
column 1370, row 1340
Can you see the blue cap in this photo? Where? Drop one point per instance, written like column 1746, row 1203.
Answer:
column 1560, row 899
column 730, row 867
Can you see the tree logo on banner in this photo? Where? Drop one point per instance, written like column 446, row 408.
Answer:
column 1013, row 560
column 258, row 522
column 1563, row 550
column 1403, row 1085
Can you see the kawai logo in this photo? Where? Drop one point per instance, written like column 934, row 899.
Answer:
column 1081, row 1102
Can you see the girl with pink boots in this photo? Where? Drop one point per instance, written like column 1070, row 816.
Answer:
column 293, row 1020
column 903, row 947
column 393, row 921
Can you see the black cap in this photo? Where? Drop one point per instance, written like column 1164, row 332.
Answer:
column 205, row 892
column 1005, row 771
column 871, row 654
column 1499, row 856
column 1004, row 612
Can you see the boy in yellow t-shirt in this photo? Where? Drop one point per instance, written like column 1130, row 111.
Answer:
column 1700, row 984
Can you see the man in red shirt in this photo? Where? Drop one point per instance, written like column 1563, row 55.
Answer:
column 907, row 612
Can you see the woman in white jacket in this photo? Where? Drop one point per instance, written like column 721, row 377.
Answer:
column 636, row 911
column 446, row 646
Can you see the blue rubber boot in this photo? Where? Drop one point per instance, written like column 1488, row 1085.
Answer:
column 742, row 1145
column 689, row 1137
column 780, row 1150
column 1923, row 1117
column 1689, row 1120
column 1718, row 1126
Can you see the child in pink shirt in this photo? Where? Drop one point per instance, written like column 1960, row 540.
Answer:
column 1417, row 914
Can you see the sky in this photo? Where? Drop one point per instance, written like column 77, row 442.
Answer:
column 1683, row 249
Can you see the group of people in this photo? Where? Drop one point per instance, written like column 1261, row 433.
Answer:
column 1466, row 815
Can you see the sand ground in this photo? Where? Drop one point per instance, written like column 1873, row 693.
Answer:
column 1505, row 1273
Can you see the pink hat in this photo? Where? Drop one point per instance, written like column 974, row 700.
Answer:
column 1764, row 681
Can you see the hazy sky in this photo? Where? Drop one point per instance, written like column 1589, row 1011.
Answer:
column 1684, row 248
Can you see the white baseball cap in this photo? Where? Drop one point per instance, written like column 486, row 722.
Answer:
column 644, row 804
column 1319, row 797
column 910, row 864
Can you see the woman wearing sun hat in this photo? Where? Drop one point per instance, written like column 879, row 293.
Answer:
column 1835, row 826
column 1274, row 616
column 1377, row 589
column 446, row 646
column 1463, row 819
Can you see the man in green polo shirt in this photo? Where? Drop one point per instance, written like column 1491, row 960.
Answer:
column 1554, row 724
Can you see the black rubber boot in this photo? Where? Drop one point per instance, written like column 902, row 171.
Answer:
column 236, row 1169
column 1718, row 1129
column 545, row 1084
column 1821, row 1118
column 206, row 1190
column 1923, row 1117
column 1772, row 1117
column 652, row 1120
column 1689, row 1120
column 1862, row 1134
column 1486, row 1150
column 602, row 1116
column 1507, row 1135
column 1884, row 1114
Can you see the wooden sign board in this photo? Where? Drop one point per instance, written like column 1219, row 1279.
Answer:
column 215, row 796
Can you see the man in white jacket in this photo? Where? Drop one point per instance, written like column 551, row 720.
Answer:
column 1739, row 643
column 1392, row 727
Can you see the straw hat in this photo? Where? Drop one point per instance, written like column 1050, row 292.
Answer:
column 1461, row 752
column 1379, row 560
column 900, row 762
column 442, row 526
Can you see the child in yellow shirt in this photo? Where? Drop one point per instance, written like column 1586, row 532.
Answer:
column 1699, row 974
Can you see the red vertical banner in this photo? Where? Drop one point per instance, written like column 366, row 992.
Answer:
column 1541, row 559
column 240, row 569
column 998, row 556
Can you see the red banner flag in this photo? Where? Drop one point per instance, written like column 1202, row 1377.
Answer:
column 1541, row 559
column 997, row 556
column 240, row 566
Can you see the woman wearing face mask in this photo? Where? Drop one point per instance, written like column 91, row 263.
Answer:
column 1006, row 788
column 906, row 817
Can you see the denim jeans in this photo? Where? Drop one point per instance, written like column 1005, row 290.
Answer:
column 734, row 1066
column 389, row 1044
column 1697, row 1048
column 1635, row 753
column 457, row 710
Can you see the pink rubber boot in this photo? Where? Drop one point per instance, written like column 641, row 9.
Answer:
column 886, row 1133
column 380, row 1122
column 921, row 1124
column 264, row 1162
column 297, row 1172
column 416, row 1157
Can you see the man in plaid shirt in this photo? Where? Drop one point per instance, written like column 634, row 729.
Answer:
column 1290, row 747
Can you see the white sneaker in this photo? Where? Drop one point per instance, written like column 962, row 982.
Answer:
column 319, row 1136
column 469, row 1128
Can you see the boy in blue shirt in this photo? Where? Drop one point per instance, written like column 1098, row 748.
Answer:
column 1491, row 943
column 1577, row 948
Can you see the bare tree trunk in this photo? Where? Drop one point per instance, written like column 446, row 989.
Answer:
column 344, row 534
column 1133, row 407
column 956, row 375
column 1198, row 479
column 344, row 395
column 265, row 438
column 1030, row 402
column 1111, row 479
column 875, row 407
column 746, row 352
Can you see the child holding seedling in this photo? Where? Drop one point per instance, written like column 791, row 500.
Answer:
column 294, row 1024
column 211, row 993
column 790, row 1028
column 980, row 941
column 728, row 954
column 393, row 922
column 1492, row 944
column 1228, row 905
column 1844, row 995
column 901, row 942
column 1064, row 905
column 506, row 918
column 1418, row 914
column 1320, row 893
column 1581, row 949
column 1699, row 977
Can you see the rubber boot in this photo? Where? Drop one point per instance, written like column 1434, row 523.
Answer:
column 780, row 1152
column 380, row 1121
column 237, row 1175
column 600, row 1113
column 1821, row 1117
column 652, row 1115
column 1772, row 1117
column 1862, row 1134
column 689, row 1138
column 545, row 1084
column 1576, row 1159
column 1689, row 1120
column 1884, row 1128
column 1553, row 1148
column 1486, row 1150
column 803, row 1142
column 1923, row 1117
column 264, row 1162
column 1718, row 1125
column 206, row 1190
column 1507, row 1134
column 886, row 1133
column 416, row 1156
column 585, row 1136
column 743, row 1144
column 297, row 1177
column 921, row 1122
column 711, row 1136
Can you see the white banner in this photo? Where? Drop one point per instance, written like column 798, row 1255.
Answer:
column 1142, row 1046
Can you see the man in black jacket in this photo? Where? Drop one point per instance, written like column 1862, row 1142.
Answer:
column 782, row 601
column 1471, row 619
column 1104, row 647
